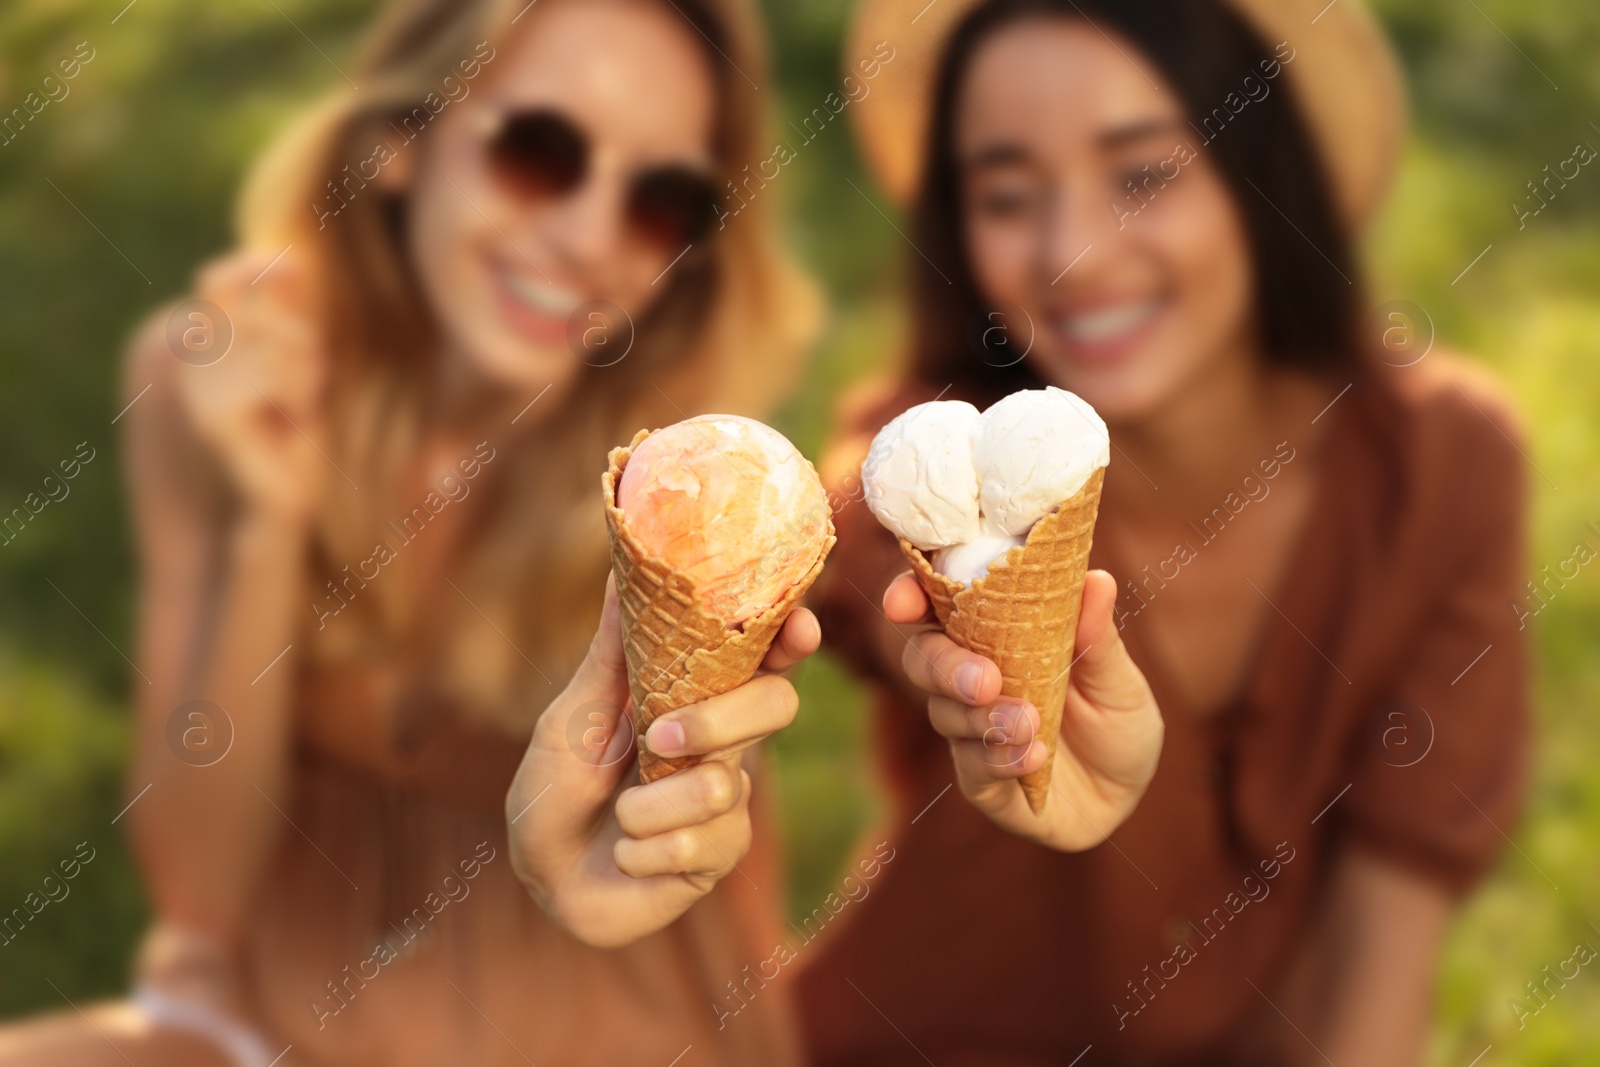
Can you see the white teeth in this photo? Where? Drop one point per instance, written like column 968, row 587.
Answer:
column 542, row 296
column 1100, row 325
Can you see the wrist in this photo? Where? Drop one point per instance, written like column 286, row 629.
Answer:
column 188, row 961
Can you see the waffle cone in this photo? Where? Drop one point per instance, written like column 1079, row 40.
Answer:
column 677, row 652
column 1023, row 614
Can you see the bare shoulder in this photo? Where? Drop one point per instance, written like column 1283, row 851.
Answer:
column 149, row 387
column 148, row 358
column 160, row 445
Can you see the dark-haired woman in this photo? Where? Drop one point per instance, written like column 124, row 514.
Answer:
column 1315, row 546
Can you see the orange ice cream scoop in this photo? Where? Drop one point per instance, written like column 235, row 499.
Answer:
column 729, row 503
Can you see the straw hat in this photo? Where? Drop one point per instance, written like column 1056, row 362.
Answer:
column 1344, row 73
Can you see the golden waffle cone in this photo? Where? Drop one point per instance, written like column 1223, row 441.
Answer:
column 678, row 653
column 1023, row 614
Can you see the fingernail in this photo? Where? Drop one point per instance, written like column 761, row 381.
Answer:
column 969, row 676
column 666, row 738
column 1018, row 727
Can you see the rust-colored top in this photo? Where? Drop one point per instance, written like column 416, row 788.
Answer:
column 390, row 930
column 1387, row 705
column 415, row 858
column 474, row 973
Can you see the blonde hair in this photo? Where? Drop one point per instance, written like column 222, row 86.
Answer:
column 727, row 335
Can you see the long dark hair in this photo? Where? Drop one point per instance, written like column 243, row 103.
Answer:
column 1306, row 296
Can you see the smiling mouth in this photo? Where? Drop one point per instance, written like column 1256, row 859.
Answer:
column 1109, row 325
column 537, row 309
column 538, row 295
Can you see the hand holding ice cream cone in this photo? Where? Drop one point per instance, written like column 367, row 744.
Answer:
column 1110, row 733
column 995, row 512
column 612, row 862
column 718, row 526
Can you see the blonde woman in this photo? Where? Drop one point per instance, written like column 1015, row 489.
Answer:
column 372, row 550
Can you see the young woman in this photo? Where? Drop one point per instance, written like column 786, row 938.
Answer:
column 1315, row 548
column 365, row 477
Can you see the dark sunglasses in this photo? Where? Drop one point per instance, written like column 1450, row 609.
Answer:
column 541, row 155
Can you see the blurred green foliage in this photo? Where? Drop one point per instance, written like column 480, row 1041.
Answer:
column 62, row 750
column 112, row 196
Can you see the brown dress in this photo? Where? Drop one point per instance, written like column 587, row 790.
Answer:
column 473, row 972
column 391, row 930
column 1387, row 706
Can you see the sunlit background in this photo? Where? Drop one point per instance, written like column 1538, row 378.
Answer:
column 114, row 193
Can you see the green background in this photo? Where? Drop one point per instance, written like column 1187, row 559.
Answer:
column 146, row 152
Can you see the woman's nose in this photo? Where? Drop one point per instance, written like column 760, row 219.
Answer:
column 1080, row 219
column 585, row 229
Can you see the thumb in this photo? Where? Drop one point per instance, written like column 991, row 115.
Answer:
column 1106, row 675
column 592, row 717
column 582, row 748
column 604, row 670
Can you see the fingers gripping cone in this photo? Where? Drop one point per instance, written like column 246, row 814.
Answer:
column 678, row 653
column 1023, row 614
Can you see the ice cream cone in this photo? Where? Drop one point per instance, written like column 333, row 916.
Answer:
column 1023, row 614
column 678, row 653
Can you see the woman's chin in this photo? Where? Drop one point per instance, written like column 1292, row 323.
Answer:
column 1120, row 392
column 517, row 365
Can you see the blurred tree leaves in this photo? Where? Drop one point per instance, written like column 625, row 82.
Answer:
column 109, row 199
column 61, row 756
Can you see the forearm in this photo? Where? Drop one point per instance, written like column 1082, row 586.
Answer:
column 205, row 833
column 1381, row 1009
column 1365, row 989
column 1378, row 1034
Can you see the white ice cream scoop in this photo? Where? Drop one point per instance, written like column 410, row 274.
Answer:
column 1036, row 448
column 970, row 561
column 919, row 476
column 968, row 487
